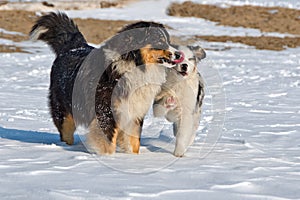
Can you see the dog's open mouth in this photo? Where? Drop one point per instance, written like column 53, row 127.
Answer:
column 179, row 57
column 182, row 73
column 166, row 60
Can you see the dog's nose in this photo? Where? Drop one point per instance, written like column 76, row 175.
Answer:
column 184, row 67
column 177, row 55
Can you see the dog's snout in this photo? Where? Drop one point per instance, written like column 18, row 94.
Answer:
column 184, row 67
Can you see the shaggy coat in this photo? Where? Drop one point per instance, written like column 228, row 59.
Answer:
column 107, row 89
column 181, row 98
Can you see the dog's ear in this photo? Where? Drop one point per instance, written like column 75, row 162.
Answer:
column 198, row 52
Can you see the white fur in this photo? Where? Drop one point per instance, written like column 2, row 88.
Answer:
column 185, row 113
column 37, row 32
column 131, row 99
column 133, row 96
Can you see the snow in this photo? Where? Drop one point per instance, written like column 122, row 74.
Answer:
column 247, row 144
column 182, row 26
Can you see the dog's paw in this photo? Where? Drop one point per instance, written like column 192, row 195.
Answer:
column 180, row 148
column 179, row 153
column 159, row 110
column 173, row 115
column 170, row 103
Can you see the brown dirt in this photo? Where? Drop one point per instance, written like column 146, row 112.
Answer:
column 262, row 42
column 11, row 49
column 96, row 31
column 267, row 19
column 53, row 5
column 13, row 37
column 17, row 20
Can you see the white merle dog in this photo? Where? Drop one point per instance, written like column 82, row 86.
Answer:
column 181, row 98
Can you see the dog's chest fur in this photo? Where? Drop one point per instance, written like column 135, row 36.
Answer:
column 184, row 89
column 136, row 89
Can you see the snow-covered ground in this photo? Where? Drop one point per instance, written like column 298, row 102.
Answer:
column 247, row 145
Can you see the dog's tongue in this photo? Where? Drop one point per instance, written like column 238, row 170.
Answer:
column 180, row 59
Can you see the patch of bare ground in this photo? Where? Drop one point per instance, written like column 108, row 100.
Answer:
column 267, row 19
column 11, row 49
column 262, row 42
column 95, row 31
column 17, row 20
column 52, row 5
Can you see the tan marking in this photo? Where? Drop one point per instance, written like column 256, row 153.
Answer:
column 121, row 142
column 98, row 141
column 135, row 144
column 129, row 140
column 150, row 56
column 68, row 129
column 115, row 136
column 135, row 137
column 194, row 70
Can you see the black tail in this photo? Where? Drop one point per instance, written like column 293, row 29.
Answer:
column 59, row 31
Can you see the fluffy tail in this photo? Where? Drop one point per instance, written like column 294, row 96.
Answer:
column 59, row 31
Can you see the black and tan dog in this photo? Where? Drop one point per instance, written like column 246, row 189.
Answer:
column 109, row 89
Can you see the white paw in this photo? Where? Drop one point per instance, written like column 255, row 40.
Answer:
column 179, row 151
column 170, row 103
column 159, row 110
column 173, row 115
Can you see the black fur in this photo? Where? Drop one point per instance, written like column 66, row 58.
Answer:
column 200, row 93
column 128, row 44
column 62, row 34
column 71, row 48
column 82, row 77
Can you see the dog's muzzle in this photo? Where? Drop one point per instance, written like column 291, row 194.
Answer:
column 183, row 69
column 176, row 57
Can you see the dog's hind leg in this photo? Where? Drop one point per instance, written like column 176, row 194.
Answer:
column 64, row 123
column 67, row 129
column 129, row 143
column 129, row 139
column 135, row 137
column 135, row 143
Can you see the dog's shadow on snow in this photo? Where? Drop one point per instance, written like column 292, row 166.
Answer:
column 162, row 144
column 159, row 144
column 40, row 138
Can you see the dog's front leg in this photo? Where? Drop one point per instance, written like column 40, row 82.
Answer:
column 167, row 107
column 98, row 141
column 184, row 131
column 159, row 108
column 129, row 138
